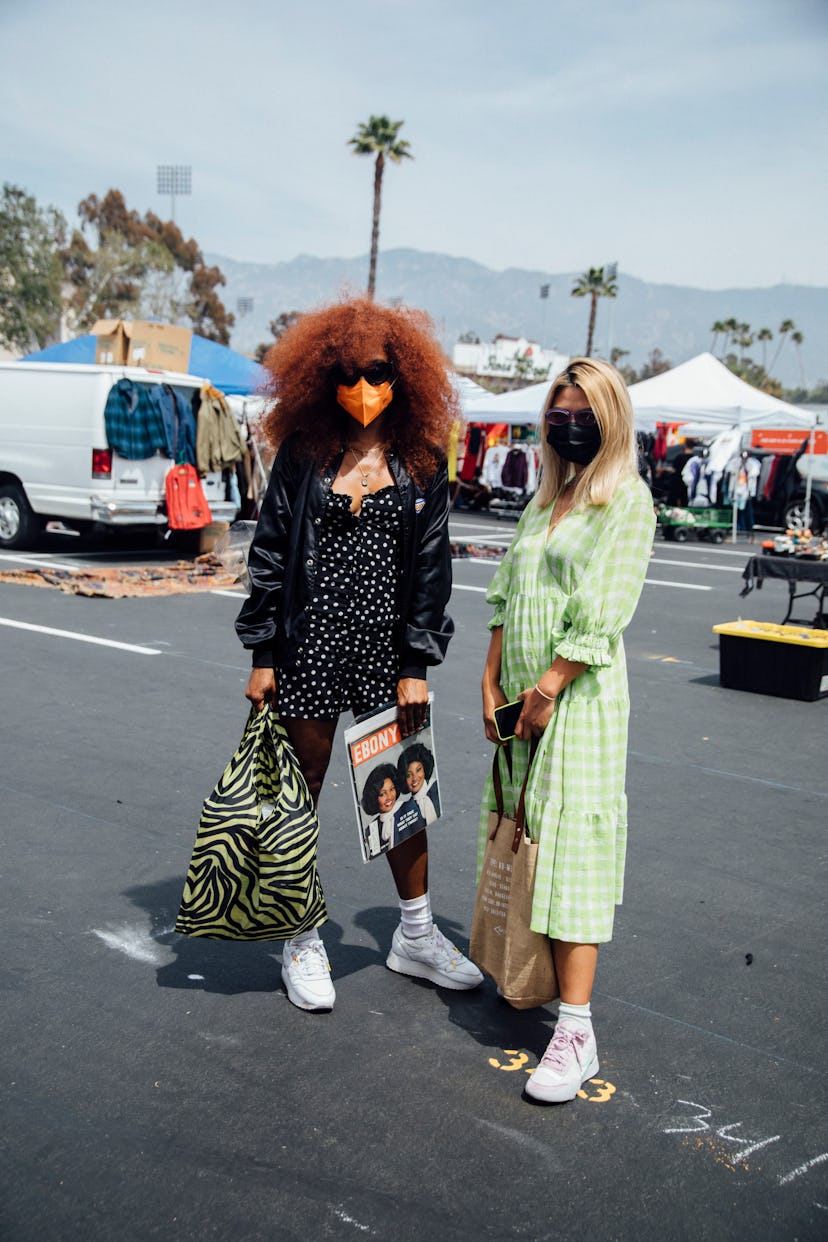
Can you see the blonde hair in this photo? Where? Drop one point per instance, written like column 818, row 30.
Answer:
column 609, row 400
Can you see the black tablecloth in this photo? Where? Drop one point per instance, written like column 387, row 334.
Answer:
column 791, row 568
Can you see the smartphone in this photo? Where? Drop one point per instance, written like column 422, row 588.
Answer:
column 506, row 718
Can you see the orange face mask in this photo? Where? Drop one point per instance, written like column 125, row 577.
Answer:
column 364, row 401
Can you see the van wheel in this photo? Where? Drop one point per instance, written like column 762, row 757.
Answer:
column 18, row 524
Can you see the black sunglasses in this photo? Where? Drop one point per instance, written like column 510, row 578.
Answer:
column 581, row 418
column 374, row 373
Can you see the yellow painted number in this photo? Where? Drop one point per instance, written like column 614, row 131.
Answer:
column 603, row 1091
column 516, row 1062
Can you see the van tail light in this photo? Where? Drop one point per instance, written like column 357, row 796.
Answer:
column 101, row 463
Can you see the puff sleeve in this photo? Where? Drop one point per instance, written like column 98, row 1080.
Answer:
column 604, row 600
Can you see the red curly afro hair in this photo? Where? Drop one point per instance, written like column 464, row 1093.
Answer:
column 302, row 387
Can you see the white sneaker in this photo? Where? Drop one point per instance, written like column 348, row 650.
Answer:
column 306, row 973
column 432, row 957
column 569, row 1061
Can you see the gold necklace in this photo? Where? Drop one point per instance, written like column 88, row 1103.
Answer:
column 365, row 476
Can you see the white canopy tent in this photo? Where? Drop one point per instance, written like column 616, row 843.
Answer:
column 705, row 396
column 516, row 408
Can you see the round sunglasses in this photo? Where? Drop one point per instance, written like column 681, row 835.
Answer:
column 375, row 373
column 559, row 418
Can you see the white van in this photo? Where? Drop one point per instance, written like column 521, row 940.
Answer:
column 56, row 464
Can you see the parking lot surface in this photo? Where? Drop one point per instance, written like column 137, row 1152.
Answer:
column 157, row 1086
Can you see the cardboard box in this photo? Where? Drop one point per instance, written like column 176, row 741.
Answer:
column 788, row 661
column 209, row 534
column 141, row 343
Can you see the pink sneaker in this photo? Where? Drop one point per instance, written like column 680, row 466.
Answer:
column 569, row 1061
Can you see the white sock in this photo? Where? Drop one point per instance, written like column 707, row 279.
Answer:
column 306, row 937
column 415, row 916
column 578, row 1015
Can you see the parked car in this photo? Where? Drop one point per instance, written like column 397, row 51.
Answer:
column 786, row 506
column 57, row 465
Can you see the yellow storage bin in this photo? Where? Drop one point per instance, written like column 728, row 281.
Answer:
column 789, row 661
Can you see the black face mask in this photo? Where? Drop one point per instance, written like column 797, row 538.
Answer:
column 574, row 443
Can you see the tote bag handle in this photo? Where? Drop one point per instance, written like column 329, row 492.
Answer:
column 520, row 814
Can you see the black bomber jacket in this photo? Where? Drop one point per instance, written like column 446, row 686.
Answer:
column 284, row 552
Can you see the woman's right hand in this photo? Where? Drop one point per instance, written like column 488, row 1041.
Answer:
column 261, row 688
column 493, row 697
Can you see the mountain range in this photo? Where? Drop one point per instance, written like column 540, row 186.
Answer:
column 464, row 296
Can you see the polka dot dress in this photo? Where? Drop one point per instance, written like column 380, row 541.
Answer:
column 349, row 659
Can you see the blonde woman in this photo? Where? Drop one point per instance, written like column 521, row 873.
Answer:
column 562, row 597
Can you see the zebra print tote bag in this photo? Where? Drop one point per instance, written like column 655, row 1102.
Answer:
column 253, row 873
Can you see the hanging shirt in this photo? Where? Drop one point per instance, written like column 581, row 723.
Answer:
column 134, row 424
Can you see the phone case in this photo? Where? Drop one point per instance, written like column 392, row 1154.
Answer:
column 506, row 717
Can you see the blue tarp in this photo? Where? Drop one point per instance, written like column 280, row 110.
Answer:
column 228, row 371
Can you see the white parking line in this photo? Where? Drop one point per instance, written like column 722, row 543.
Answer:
column 80, row 638
column 459, row 586
column 748, row 549
column 723, row 569
column 43, row 561
column 232, row 594
column 684, row 586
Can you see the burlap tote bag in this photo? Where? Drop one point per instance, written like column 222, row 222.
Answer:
column 502, row 943
column 253, row 871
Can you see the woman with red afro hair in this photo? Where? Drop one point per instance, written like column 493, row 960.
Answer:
column 350, row 572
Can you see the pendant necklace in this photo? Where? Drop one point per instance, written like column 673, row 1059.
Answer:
column 364, row 477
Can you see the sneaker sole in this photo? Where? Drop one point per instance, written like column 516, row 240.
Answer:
column 560, row 1094
column 296, row 999
column 404, row 966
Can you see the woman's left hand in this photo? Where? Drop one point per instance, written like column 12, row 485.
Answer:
column 536, row 714
column 412, row 701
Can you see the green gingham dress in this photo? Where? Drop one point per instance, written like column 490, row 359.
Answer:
column 572, row 592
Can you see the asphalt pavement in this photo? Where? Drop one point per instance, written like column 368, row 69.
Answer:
column 157, row 1086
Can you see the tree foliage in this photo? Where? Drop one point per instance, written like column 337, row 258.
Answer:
column 30, row 270
column 379, row 137
column 595, row 283
column 277, row 328
column 759, row 374
column 121, row 264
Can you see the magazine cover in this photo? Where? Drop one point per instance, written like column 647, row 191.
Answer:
column 394, row 780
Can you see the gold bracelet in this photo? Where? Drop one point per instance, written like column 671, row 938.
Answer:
column 550, row 698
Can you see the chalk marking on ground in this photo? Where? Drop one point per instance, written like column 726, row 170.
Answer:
column 736, row 776
column 725, row 1039
column 349, row 1220
column 803, row 1168
column 79, row 638
column 133, row 942
column 523, row 1140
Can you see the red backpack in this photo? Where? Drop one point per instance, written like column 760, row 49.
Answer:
column 187, row 507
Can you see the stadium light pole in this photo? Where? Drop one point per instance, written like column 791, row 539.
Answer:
column 175, row 180
column 244, row 306
column 611, row 273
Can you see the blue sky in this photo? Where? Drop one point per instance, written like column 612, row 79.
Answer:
column 686, row 140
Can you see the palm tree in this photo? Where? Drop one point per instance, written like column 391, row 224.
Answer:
column 717, row 328
column 764, row 335
column 731, row 327
column 379, row 137
column 744, row 340
column 786, row 326
column 797, row 339
column 593, row 284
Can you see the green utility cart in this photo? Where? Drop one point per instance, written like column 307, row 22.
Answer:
column 677, row 524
